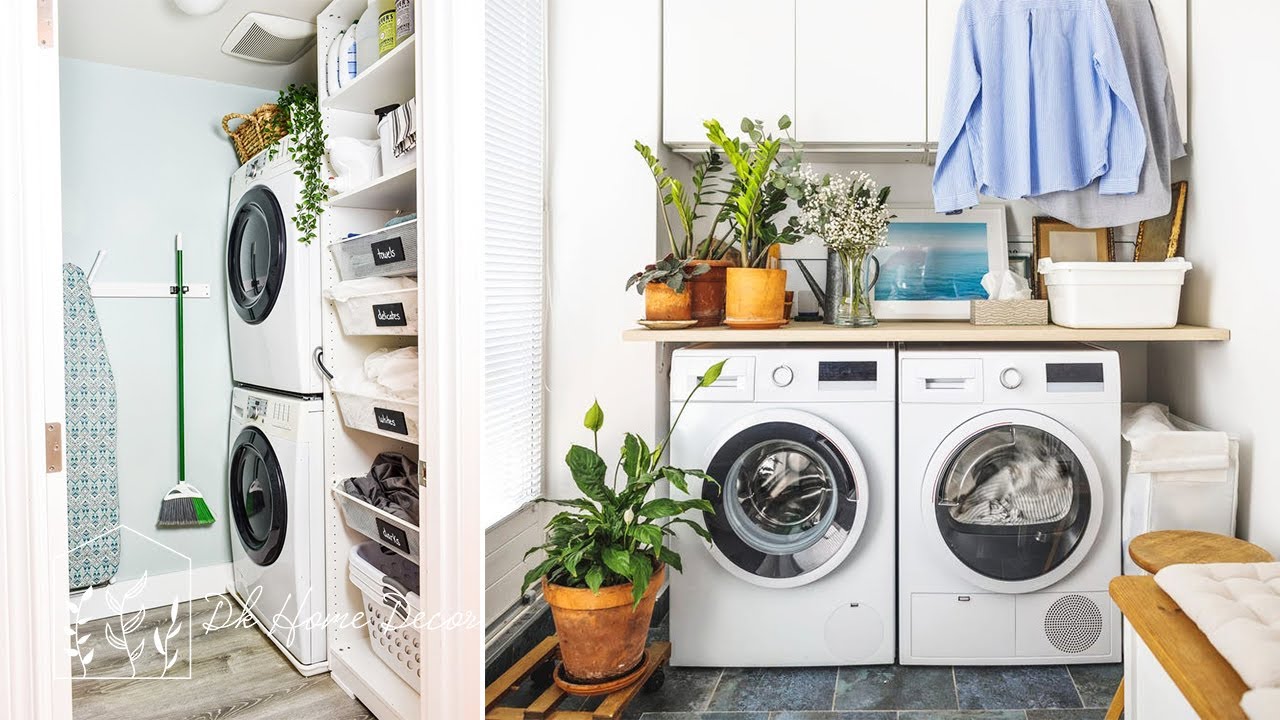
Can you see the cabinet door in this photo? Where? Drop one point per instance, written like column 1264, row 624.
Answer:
column 942, row 34
column 726, row 59
column 1171, row 15
column 860, row 71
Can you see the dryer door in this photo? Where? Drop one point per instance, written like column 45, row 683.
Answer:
column 259, row 504
column 1015, row 499
column 791, row 502
column 256, row 249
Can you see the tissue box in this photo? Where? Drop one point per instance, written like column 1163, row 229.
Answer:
column 1009, row 312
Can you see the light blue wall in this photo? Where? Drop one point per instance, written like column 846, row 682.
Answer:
column 144, row 157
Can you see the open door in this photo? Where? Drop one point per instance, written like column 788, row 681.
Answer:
column 35, row 667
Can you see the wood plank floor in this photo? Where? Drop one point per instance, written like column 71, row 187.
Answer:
column 236, row 674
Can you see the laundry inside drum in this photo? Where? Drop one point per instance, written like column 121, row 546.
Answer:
column 1011, row 475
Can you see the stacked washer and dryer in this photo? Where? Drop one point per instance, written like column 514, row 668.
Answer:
column 276, row 453
column 988, row 477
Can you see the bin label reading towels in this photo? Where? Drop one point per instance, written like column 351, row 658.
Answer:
column 390, row 315
column 391, row 421
column 387, row 251
column 392, row 535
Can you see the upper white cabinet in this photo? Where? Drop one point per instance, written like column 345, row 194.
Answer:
column 726, row 59
column 941, row 33
column 860, row 66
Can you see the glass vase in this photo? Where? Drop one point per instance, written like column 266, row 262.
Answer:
column 854, row 307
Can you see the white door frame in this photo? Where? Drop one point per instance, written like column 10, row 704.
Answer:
column 451, row 165
column 34, row 667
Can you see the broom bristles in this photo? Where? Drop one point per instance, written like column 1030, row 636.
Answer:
column 184, row 511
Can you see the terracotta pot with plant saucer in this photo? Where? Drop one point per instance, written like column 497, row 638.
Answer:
column 755, row 298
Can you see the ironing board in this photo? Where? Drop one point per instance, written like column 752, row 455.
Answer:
column 93, row 502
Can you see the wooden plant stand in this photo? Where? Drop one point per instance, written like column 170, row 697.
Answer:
column 540, row 662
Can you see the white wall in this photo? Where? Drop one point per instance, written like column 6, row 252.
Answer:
column 143, row 157
column 1231, row 241
column 605, row 92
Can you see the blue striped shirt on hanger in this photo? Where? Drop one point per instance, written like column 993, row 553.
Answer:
column 1039, row 101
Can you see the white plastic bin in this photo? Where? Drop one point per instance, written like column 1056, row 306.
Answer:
column 1202, row 499
column 386, row 252
column 379, row 415
column 389, row 584
column 1114, row 294
column 385, row 312
column 377, row 524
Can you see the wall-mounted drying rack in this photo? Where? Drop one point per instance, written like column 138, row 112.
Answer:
column 140, row 289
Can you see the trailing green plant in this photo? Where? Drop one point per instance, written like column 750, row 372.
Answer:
column 670, row 270
column 673, row 193
column 765, row 178
column 614, row 536
column 300, row 115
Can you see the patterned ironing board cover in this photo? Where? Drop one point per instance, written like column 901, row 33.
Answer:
column 93, row 503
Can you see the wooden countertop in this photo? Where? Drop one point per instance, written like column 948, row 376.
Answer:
column 926, row 331
column 1207, row 681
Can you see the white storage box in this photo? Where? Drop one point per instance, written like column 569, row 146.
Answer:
column 387, row 252
column 389, row 584
column 387, row 312
column 1114, row 294
column 376, row 524
column 379, row 415
column 1201, row 499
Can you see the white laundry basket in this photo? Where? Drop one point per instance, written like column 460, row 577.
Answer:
column 393, row 609
column 377, row 524
column 387, row 252
column 1185, row 500
column 1114, row 294
column 379, row 415
column 380, row 313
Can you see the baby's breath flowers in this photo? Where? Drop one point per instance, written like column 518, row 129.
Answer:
column 847, row 211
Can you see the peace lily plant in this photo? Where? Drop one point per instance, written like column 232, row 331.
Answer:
column 605, row 557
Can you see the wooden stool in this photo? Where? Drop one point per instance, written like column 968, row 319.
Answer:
column 1157, row 550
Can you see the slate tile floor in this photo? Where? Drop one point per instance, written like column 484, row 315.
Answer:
column 895, row 692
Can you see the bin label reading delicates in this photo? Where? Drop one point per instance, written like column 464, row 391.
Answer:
column 392, row 535
column 390, row 315
column 387, row 251
column 391, row 421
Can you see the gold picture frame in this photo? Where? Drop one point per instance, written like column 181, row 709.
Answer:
column 1065, row 242
column 1161, row 238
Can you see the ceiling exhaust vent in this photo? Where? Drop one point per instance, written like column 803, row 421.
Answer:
column 270, row 39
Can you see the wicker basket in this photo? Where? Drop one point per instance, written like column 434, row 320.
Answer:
column 1009, row 312
column 255, row 132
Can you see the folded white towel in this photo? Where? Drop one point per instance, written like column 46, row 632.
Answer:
column 1237, row 606
column 1158, row 445
column 1261, row 704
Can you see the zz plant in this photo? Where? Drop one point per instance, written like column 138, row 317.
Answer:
column 614, row 535
column 300, row 112
column 672, row 192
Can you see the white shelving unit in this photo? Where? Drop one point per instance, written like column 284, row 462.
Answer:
column 348, row 453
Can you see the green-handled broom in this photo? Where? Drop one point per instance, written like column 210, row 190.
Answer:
column 183, row 506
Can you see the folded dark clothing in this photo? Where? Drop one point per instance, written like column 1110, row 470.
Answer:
column 391, row 485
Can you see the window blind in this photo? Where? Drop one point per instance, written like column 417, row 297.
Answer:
column 511, row 469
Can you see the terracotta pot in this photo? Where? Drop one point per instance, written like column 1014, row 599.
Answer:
column 708, row 292
column 754, row 297
column 601, row 636
column 663, row 303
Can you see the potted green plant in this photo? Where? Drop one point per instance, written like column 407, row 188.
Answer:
column 764, row 181
column 666, row 286
column 300, row 115
column 710, row 250
column 605, row 557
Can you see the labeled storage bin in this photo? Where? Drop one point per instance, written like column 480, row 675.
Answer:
column 393, row 609
column 1114, row 294
column 377, row 524
column 388, row 252
column 379, row 415
column 393, row 312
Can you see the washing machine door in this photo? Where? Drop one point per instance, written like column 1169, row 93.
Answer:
column 256, row 250
column 259, row 504
column 791, row 500
column 1014, row 499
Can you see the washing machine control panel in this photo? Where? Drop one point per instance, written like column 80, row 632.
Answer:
column 255, row 408
column 783, row 375
column 1011, row 378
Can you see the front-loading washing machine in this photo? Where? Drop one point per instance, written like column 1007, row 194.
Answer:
column 800, row 568
column 276, row 485
column 273, row 281
column 1009, row 505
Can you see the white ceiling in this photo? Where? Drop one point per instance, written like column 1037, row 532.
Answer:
column 155, row 35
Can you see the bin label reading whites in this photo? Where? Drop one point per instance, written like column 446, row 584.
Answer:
column 392, row 535
column 387, row 251
column 391, row 421
column 390, row 315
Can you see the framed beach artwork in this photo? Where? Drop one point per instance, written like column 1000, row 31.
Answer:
column 933, row 264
